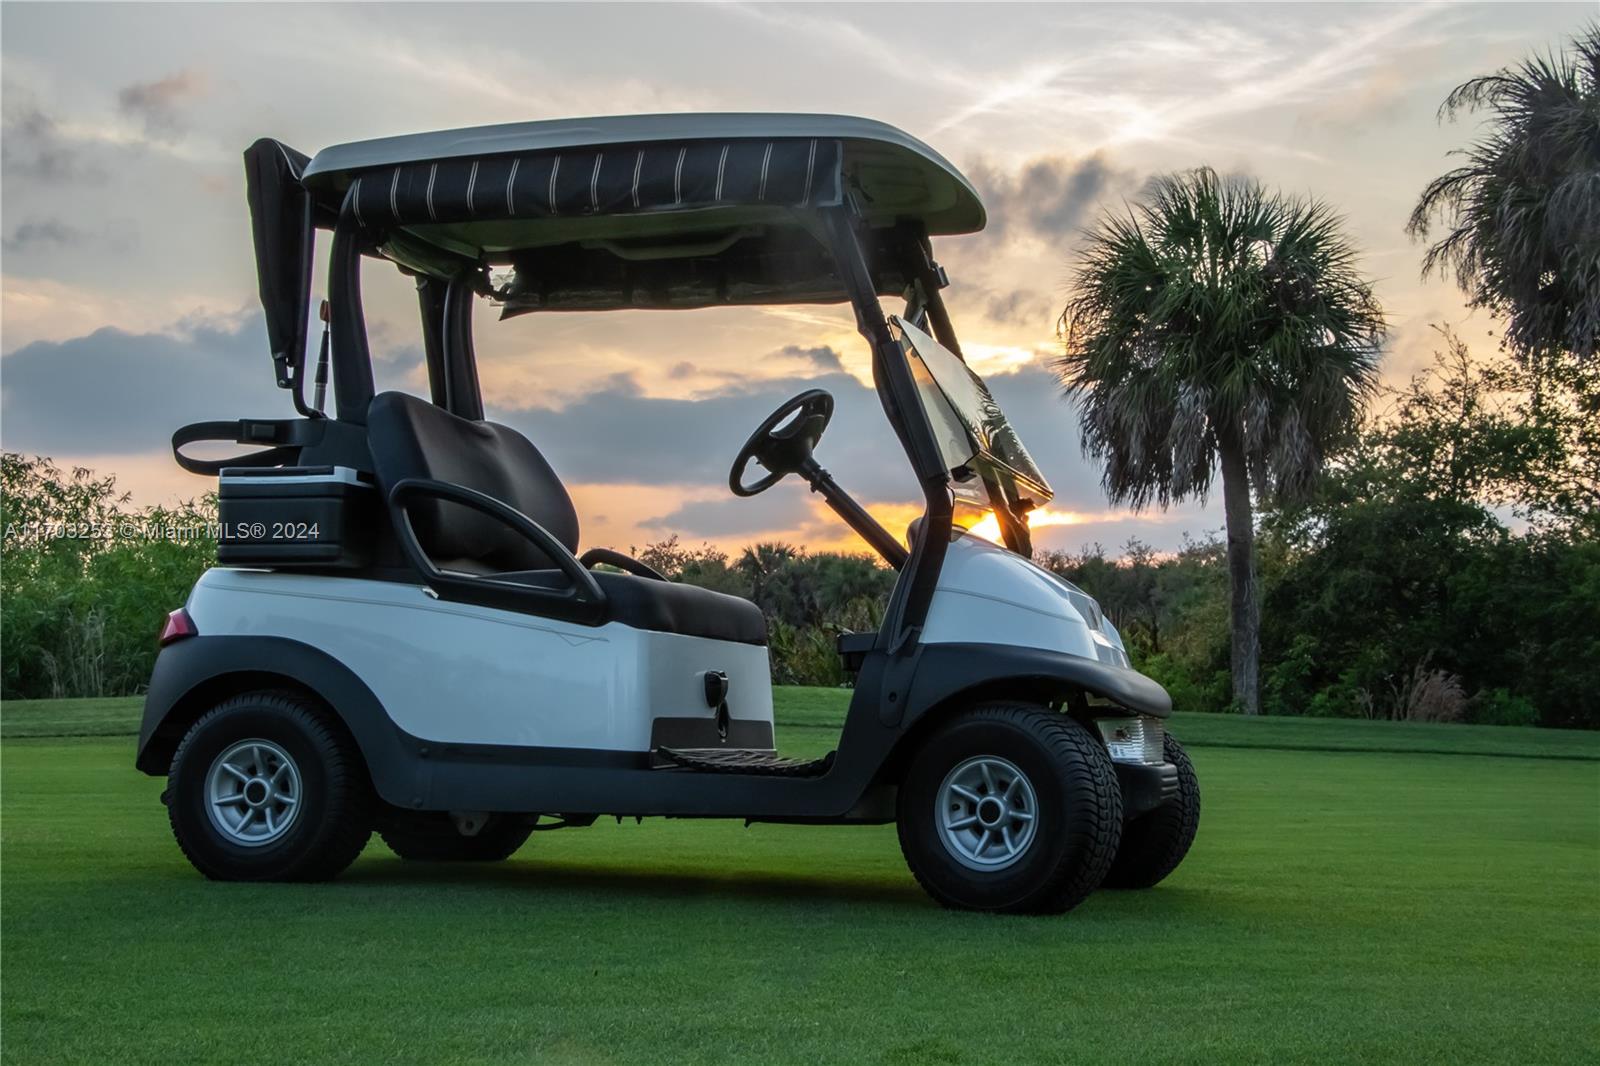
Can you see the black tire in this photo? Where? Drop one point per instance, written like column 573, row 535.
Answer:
column 433, row 837
column 1155, row 843
column 1078, row 811
column 333, row 815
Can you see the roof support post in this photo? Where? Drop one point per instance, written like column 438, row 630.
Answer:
column 464, row 396
column 430, row 300
column 352, row 359
column 897, row 390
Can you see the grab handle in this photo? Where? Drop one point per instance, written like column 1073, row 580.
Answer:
column 283, row 437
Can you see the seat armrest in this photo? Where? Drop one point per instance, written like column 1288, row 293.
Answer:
column 626, row 563
column 582, row 601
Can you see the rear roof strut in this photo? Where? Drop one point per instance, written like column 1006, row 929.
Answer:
column 352, row 360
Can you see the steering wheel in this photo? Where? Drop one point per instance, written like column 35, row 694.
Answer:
column 783, row 447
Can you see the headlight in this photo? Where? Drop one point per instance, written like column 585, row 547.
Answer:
column 1136, row 740
column 1107, row 641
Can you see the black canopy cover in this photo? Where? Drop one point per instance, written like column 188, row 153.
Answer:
column 281, row 223
column 661, row 224
column 611, row 180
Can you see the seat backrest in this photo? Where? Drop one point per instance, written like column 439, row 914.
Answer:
column 411, row 437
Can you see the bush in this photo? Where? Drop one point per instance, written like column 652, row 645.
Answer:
column 1190, row 691
column 86, row 579
column 1345, row 698
column 1499, row 707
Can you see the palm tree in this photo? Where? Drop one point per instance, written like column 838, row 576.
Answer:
column 1215, row 326
column 1522, row 215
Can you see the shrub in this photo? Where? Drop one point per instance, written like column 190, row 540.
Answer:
column 1430, row 696
column 86, row 578
column 1499, row 707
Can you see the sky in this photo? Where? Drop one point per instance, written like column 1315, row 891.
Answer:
column 127, row 290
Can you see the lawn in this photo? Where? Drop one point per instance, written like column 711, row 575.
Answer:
column 1360, row 905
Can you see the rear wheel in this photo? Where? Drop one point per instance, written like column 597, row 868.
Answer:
column 1155, row 843
column 1010, row 808
column 434, row 837
column 265, row 787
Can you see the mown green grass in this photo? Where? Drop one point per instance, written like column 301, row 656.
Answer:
column 1338, row 907
column 824, row 709
column 111, row 716
column 812, row 717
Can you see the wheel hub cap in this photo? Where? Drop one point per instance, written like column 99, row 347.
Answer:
column 253, row 793
column 987, row 813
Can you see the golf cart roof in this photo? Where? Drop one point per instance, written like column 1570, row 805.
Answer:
column 639, row 211
column 644, row 211
column 897, row 176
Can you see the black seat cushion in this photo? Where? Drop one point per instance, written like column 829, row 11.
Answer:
column 673, row 607
column 410, row 437
column 665, row 606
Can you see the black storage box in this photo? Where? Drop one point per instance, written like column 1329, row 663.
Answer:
column 320, row 517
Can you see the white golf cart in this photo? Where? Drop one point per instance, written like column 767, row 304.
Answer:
column 403, row 634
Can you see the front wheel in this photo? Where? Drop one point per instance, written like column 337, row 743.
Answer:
column 1010, row 808
column 265, row 787
column 1155, row 843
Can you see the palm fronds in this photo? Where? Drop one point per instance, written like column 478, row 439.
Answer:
column 1213, row 312
column 1521, row 216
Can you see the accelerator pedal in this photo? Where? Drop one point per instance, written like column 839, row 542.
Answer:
column 741, row 761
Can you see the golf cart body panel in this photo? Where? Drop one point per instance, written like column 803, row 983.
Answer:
column 455, row 674
column 988, row 595
column 957, row 671
column 444, row 613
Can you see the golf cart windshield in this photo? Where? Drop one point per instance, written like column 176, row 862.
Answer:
column 991, row 468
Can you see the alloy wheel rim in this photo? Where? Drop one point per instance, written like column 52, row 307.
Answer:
column 253, row 793
column 987, row 813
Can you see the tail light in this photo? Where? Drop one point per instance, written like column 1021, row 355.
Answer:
column 178, row 626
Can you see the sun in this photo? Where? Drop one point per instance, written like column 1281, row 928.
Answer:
column 987, row 527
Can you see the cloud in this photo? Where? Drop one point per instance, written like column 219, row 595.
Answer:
column 112, row 392
column 32, row 144
column 1050, row 197
column 47, row 231
column 617, row 434
column 1023, row 308
column 822, row 356
column 731, row 516
column 157, row 105
column 50, row 232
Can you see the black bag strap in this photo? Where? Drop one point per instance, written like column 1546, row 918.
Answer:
column 284, row 437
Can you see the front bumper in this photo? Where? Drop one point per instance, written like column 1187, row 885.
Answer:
column 1145, row 787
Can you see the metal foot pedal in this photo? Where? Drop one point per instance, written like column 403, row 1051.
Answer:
column 741, row 761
